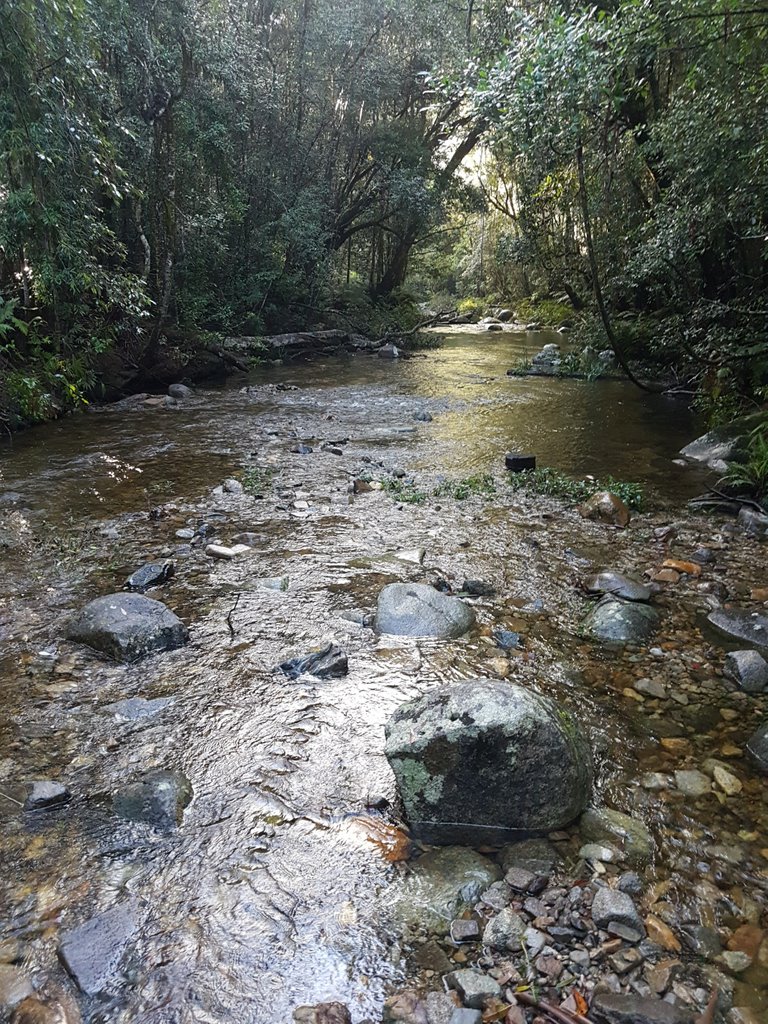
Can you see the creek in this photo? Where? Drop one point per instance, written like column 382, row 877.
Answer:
column 278, row 889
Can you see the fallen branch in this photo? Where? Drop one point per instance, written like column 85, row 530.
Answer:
column 556, row 1013
column 231, row 612
column 740, row 501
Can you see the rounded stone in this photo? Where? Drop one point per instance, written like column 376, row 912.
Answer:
column 487, row 761
column 616, row 621
column 416, row 609
column 127, row 627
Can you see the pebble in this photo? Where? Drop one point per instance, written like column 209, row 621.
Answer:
column 46, row 795
column 224, row 553
column 612, row 905
column 474, row 987
column 692, row 783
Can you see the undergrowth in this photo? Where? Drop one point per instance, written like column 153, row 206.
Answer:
column 554, row 484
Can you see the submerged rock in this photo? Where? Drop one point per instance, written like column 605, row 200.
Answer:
column 606, row 507
column 179, row 391
column 322, row 1013
column 741, row 624
column 158, row 798
column 603, row 824
column 15, row 986
column 416, row 609
column 480, row 760
column 127, row 627
column 440, row 885
column 328, row 663
column 92, row 952
column 134, row 708
column 618, row 621
column 150, row 575
column 618, row 585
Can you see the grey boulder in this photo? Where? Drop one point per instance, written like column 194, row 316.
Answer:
column 747, row 668
column 740, row 624
column 616, row 621
column 484, row 760
column 416, row 609
column 127, row 627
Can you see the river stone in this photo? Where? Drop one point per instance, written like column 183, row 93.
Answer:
column 440, row 886
column 605, row 507
column 92, row 952
column 14, row 986
column 747, row 668
column 620, row 586
column 535, row 855
column 692, row 782
column 328, row 663
column 322, row 1013
column 150, row 575
column 614, row 906
column 157, row 798
column 179, row 391
column 757, row 746
column 127, row 627
column 505, row 931
column 616, row 621
column 478, row 760
column 753, row 523
column 474, row 987
column 740, row 624
column 610, row 1008
column 416, row 609
column 604, row 825
column 45, row 795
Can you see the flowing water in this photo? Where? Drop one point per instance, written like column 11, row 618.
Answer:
column 278, row 889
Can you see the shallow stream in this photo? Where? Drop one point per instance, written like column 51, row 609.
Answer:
column 278, row 889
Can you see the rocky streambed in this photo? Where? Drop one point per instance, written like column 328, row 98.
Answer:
column 212, row 832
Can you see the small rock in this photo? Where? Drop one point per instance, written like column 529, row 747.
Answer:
column 474, row 987
column 741, row 625
column 612, row 1008
column 232, row 486
column 46, row 795
column 464, row 930
column 505, row 931
column 630, row 883
column 423, row 417
column 616, row 621
column 301, row 449
column 747, row 668
column 692, row 783
column 651, row 688
column 179, row 391
column 519, row 879
column 185, row 533
column 594, row 851
column 601, row 824
column 735, row 960
column 477, row 588
column 416, row 609
column 150, row 575
column 618, row 585
column 621, row 931
column 329, row 663
column 92, row 952
column 606, row 508
column 224, row 553
column 662, row 934
column 388, row 352
column 158, row 798
column 612, row 905
column 728, row 782
column 464, row 1015
column 753, row 523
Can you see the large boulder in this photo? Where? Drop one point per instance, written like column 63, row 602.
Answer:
column 621, row 622
column 416, row 609
column 741, row 624
column 127, row 627
column 485, row 761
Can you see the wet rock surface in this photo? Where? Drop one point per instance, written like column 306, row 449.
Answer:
column 127, row 627
column 618, row 621
column 482, row 760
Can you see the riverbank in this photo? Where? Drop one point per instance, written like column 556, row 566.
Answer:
column 282, row 866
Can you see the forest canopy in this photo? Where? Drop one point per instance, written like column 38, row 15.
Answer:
column 180, row 168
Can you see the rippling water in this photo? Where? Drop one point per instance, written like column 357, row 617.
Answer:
column 276, row 891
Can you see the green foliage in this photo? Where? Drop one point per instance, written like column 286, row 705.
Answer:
column 480, row 483
column 257, row 481
column 404, row 490
column 747, row 475
column 554, row 484
column 547, row 312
